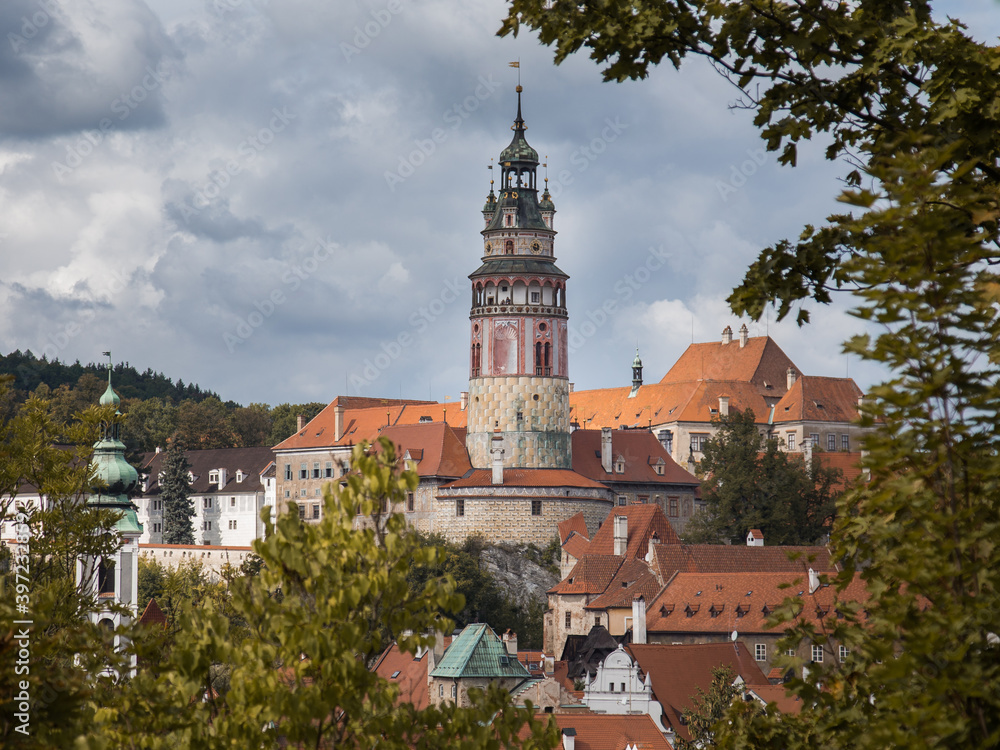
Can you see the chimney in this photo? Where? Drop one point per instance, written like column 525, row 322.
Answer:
column 639, row 620
column 463, row 400
column 744, row 335
column 727, row 335
column 755, row 538
column 338, row 422
column 569, row 739
column 653, row 541
column 621, row 535
column 223, row 478
column 723, row 406
column 813, row 581
column 606, row 459
column 158, row 448
column 510, row 641
column 300, row 422
column 791, row 375
column 435, row 652
column 497, row 452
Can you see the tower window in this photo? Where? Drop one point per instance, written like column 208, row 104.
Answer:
column 106, row 577
column 460, row 507
column 536, row 507
column 508, row 247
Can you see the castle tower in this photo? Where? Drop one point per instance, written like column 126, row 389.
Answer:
column 519, row 367
column 114, row 578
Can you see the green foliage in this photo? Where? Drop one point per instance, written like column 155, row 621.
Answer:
column 914, row 105
column 708, row 709
column 329, row 598
column 149, row 425
column 284, row 419
column 175, row 491
column 749, row 483
column 66, row 650
column 204, row 424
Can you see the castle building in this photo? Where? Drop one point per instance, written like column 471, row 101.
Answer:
column 518, row 350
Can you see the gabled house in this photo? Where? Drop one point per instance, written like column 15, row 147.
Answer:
column 476, row 658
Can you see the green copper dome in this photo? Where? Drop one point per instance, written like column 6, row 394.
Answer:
column 491, row 203
column 546, row 204
column 518, row 150
column 637, row 362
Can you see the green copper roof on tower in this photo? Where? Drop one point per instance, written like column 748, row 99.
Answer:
column 518, row 150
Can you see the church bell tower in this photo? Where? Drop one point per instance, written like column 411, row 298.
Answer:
column 519, row 359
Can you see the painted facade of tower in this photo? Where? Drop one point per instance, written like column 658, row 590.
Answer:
column 518, row 350
column 114, row 579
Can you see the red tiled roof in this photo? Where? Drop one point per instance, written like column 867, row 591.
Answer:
column 516, row 477
column 848, row 463
column 591, row 575
column 676, row 673
column 819, row 399
column 724, row 558
column 433, row 446
column 153, row 615
column 760, row 362
column 410, row 675
column 573, row 523
column 633, row 578
column 640, row 450
column 777, row 694
column 644, row 520
column 741, row 601
column 609, row 731
column 576, row 546
column 362, row 420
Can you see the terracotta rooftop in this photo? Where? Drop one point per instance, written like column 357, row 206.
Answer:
column 433, row 446
column 153, row 615
column 633, row 578
column 723, row 602
column 677, row 671
column 641, row 452
column 250, row 461
column 608, row 731
column 760, row 362
column 517, row 477
column 577, row 546
column 819, row 399
column 362, row 420
column 591, row 575
column 644, row 520
column 573, row 523
column 409, row 673
column 785, row 702
column 724, row 558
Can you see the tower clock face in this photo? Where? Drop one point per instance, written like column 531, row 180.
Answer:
column 489, row 248
column 536, row 247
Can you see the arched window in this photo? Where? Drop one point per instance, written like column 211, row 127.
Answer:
column 508, row 248
column 106, row 577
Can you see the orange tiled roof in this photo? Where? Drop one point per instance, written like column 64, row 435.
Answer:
column 573, row 523
column 848, row 463
column 777, row 694
column 433, row 446
column 723, row 602
column 760, row 362
column 591, row 575
column 644, row 521
column 362, row 420
column 608, row 731
column 409, row 673
column 153, row 615
column 724, row 558
column 516, row 477
column 633, row 579
column 676, row 673
column 819, row 399
column 639, row 448
column 576, row 545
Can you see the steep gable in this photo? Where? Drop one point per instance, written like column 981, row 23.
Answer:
column 478, row 652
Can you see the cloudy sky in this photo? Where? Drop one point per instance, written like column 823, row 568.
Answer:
column 266, row 196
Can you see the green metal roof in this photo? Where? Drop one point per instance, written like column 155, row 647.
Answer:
column 512, row 264
column 478, row 652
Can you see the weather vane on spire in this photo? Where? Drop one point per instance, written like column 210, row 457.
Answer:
column 517, row 65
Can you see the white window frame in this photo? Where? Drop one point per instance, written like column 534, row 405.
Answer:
column 760, row 652
column 817, row 654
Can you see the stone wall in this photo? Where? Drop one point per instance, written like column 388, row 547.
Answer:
column 539, row 439
column 505, row 514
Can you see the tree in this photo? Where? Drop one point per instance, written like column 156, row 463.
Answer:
column 175, row 491
column 150, row 424
column 749, row 483
column 285, row 419
column 252, row 425
column 329, row 599
column 709, row 708
column 913, row 105
column 56, row 665
column 204, row 424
